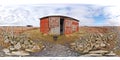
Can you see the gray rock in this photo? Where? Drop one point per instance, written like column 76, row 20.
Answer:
column 21, row 41
column 11, row 48
column 17, row 46
column 26, row 42
column 102, row 45
column 30, row 46
column 72, row 44
column 110, row 54
column 6, row 41
column 6, row 50
column 20, row 53
column 98, row 52
column 13, row 42
column 36, row 47
column 29, row 50
column 91, row 55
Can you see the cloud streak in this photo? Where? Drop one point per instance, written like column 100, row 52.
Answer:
column 89, row 15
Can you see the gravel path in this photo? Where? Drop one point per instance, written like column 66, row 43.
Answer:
column 55, row 50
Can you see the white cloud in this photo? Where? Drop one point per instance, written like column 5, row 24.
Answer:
column 113, row 14
column 96, row 2
column 30, row 14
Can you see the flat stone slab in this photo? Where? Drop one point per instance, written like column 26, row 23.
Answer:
column 21, row 53
column 92, row 55
column 18, row 53
column 111, row 54
column 98, row 52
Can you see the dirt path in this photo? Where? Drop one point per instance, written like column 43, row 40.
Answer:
column 55, row 50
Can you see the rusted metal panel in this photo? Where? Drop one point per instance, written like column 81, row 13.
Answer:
column 71, row 26
column 54, row 24
column 74, row 26
column 77, row 26
column 44, row 23
column 68, row 26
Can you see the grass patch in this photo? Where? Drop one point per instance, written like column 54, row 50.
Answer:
column 62, row 39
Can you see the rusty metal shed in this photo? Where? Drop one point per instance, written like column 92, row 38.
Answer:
column 58, row 25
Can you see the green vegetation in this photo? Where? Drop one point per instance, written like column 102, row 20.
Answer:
column 61, row 39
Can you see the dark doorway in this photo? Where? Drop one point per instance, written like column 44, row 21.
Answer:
column 61, row 26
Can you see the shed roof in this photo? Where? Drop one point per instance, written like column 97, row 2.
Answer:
column 58, row 16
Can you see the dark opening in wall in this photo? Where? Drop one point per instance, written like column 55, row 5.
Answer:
column 61, row 26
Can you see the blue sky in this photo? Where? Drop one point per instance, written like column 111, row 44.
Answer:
column 87, row 14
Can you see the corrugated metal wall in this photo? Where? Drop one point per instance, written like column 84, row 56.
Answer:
column 68, row 26
column 71, row 26
column 44, row 25
column 54, row 25
column 51, row 25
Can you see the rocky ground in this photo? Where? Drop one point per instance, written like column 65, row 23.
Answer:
column 58, row 50
column 55, row 50
column 94, row 43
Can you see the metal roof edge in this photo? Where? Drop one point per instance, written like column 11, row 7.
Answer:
column 57, row 16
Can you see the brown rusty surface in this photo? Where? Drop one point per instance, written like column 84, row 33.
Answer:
column 71, row 26
column 54, row 25
column 51, row 25
column 44, row 25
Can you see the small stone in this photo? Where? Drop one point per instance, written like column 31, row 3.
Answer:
column 72, row 44
column 21, row 41
column 80, row 45
column 30, row 46
column 92, row 55
column 110, row 54
column 8, row 53
column 102, row 45
column 99, row 52
column 29, row 50
column 43, row 46
column 11, row 48
column 6, row 50
column 17, row 46
column 31, row 41
column 20, row 53
column 36, row 47
column 13, row 42
column 6, row 41
column 26, row 42
column 23, row 46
